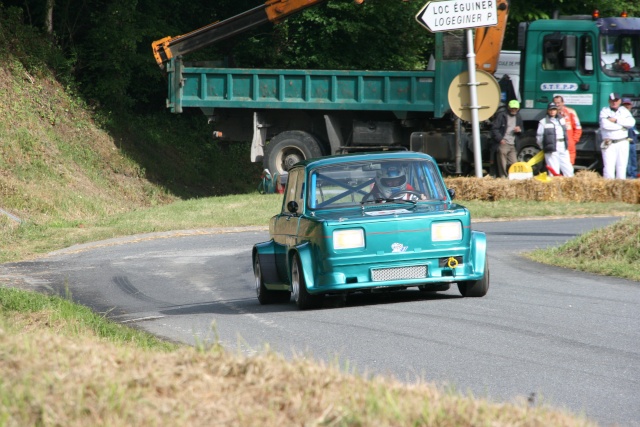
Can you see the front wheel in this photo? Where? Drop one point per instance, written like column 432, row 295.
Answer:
column 476, row 288
column 301, row 296
column 288, row 148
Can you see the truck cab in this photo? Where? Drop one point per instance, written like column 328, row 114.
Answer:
column 583, row 59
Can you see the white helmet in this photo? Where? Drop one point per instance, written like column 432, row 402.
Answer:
column 391, row 179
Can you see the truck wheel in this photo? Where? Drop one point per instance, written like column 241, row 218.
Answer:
column 449, row 169
column 527, row 153
column 288, row 148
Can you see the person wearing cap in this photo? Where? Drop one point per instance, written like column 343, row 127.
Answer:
column 552, row 137
column 615, row 122
column 574, row 128
column 505, row 129
column 632, row 164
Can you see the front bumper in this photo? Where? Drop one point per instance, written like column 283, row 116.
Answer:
column 344, row 274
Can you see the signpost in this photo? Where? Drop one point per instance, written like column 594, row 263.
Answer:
column 458, row 14
column 463, row 14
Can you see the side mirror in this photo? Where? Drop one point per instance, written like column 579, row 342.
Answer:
column 569, row 48
column 292, row 207
column 452, row 193
column 522, row 35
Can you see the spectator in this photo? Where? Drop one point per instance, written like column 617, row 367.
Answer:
column 572, row 122
column 506, row 127
column 632, row 165
column 615, row 122
column 552, row 138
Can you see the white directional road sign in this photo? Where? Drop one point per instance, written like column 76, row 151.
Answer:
column 458, row 14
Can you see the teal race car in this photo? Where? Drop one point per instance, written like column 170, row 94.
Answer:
column 367, row 223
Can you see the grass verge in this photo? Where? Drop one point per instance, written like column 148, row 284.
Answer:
column 28, row 240
column 62, row 365
column 611, row 251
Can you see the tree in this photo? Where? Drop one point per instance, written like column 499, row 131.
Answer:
column 379, row 34
column 107, row 42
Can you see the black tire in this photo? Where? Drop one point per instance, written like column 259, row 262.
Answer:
column 449, row 169
column 288, row 148
column 476, row 288
column 266, row 296
column 303, row 299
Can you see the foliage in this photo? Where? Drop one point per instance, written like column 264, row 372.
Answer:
column 340, row 35
column 531, row 10
column 31, row 48
column 105, row 45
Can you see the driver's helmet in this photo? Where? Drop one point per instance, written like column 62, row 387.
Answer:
column 391, row 179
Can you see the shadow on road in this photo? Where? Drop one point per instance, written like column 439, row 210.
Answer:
column 251, row 305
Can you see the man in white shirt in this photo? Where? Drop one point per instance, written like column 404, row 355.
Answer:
column 615, row 122
column 551, row 136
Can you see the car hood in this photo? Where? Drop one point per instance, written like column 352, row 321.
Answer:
column 385, row 212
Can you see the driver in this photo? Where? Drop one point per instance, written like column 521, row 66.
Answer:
column 391, row 183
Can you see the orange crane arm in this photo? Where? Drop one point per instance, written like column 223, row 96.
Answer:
column 272, row 11
column 488, row 40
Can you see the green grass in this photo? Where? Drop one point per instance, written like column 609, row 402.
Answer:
column 74, row 320
column 29, row 239
column 513, row 209
column 611, row 251
column 61, row 364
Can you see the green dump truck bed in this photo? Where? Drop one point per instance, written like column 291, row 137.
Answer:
column 398, row 91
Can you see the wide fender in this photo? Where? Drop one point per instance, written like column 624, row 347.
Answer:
column 306, row 262
column 478, row 251
column 266, row 253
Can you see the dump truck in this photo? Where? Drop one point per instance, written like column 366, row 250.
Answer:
column 292, row 115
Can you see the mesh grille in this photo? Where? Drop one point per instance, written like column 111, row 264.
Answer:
column 399, row 273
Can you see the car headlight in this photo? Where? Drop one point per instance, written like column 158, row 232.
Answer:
column 348, row 239
column 446, row 231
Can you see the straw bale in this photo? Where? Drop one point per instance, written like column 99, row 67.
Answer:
column 585, row 186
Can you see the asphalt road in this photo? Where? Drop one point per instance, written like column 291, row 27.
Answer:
column 565, row 338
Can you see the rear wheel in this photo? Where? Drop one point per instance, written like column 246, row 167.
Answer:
column 301, row 296
column 476, row 288
column 266, row 296
column 288, row 148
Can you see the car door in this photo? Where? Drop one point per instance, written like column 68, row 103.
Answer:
column 286, row 226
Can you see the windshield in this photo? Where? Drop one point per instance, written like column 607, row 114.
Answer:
column 620, row 54
column 352, row 184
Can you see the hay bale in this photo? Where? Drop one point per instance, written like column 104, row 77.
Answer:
column 585, row 186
